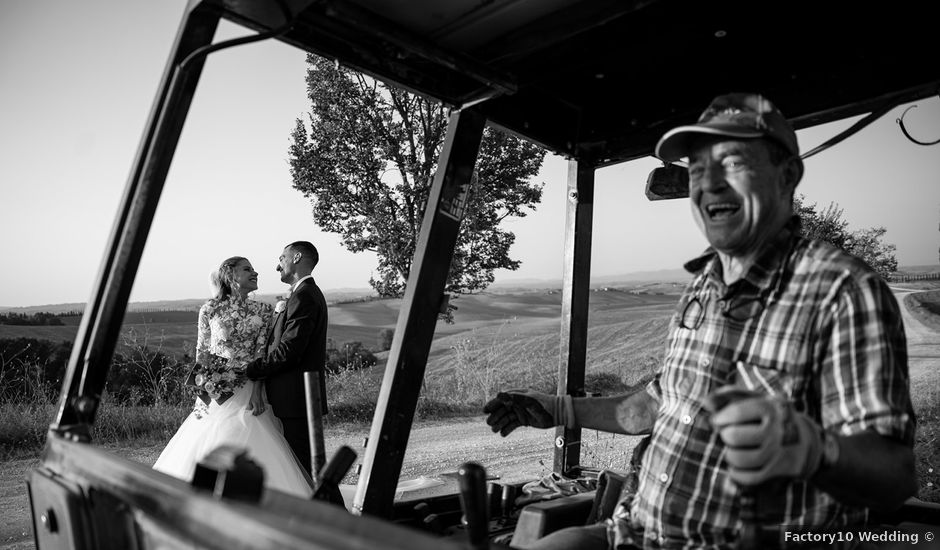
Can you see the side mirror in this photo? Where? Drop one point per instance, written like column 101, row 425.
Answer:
column 669, row 181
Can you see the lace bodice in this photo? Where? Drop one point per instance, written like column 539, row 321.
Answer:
column 234, row 329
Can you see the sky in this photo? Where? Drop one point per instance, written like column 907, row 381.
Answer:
column 77, row 80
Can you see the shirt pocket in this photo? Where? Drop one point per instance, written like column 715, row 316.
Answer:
column 764, row 379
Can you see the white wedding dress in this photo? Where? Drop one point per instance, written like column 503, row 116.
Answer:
column 235, row 329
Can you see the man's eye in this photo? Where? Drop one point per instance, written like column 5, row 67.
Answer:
column 733, row 164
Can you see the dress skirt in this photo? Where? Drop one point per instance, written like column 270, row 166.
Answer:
column 232, row 424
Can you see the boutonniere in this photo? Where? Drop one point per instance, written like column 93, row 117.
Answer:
column 280, row 306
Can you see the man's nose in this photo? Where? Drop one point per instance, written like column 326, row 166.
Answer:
column 278, row 268
column 712, row 179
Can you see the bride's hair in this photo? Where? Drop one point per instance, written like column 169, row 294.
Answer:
column 222, row 280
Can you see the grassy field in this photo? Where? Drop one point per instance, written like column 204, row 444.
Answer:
column 497, row 339
column 174, row 332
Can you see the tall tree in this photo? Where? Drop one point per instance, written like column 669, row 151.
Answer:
column 868, row 245
column 366, row 156
column 828, row 225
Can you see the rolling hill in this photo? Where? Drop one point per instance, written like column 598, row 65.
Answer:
column 534, row 312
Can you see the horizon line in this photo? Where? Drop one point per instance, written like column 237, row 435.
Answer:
column 632, row 277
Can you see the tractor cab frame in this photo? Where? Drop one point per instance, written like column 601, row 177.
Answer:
column 595, row 81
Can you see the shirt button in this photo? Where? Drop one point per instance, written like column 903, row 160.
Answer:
column 664, row 477
column 705, row 361
column 687, row 419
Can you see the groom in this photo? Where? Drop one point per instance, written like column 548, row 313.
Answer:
column 296, row 343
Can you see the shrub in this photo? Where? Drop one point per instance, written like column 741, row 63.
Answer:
column 31, row 369
column 23, row 430
column 23, row 433
column 927, row 452
column 351, row 394
column 352, row 355
column 384, row 341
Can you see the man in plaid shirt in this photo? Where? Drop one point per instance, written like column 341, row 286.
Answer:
column 782, row 408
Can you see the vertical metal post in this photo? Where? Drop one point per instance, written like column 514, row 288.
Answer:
column 407, row 358
column 313, row 391
column 576, row 289
column 101, row 323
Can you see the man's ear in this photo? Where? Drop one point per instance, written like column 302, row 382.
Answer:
column 297, row 256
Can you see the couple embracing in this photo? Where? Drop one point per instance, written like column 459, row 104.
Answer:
column 250, row 360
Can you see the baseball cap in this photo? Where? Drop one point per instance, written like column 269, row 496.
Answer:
column 737, row 115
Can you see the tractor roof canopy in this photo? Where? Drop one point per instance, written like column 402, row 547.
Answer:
column 602, row 80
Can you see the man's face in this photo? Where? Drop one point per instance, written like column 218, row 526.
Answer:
column 286, row 265
column 739, row 198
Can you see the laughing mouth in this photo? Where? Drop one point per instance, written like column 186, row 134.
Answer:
column 721, row 210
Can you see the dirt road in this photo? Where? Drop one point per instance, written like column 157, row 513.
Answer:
column 923, row 350
column 435, row 448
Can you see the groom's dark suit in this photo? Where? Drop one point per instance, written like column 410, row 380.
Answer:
column 296, row 343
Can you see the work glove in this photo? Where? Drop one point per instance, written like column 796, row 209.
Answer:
column 765, row 438
column 514, row 408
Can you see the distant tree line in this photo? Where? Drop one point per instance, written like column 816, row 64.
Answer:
column 911, row 277
column 36, row 319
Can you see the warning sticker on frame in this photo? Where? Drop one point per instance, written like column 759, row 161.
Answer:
column 454, row 204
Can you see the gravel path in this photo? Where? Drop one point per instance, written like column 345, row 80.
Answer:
column 923, row 350
column 435, row 448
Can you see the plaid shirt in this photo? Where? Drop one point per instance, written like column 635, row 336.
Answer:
column 809, row 323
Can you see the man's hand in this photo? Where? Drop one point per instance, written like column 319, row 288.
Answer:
column 256, row 401
column 514, row 408
column 764, row 436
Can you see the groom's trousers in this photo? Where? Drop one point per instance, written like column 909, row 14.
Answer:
column 298, row 437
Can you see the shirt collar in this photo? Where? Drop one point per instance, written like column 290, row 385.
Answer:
column 297, row 284
column 762, row 274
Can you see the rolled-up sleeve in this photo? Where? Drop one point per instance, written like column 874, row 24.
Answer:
column 862, row 360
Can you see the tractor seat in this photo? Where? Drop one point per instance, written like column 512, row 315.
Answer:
column 542, row 518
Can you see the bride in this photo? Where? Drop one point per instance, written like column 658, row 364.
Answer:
column 233, row 410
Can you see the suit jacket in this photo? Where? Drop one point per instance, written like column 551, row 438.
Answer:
column 296, row 343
